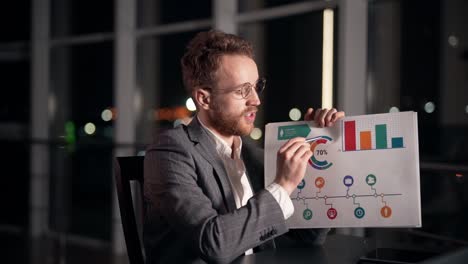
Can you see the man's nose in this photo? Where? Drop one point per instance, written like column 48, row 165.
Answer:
column 253, row 98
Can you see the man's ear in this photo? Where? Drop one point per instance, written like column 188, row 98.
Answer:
column 202, row 98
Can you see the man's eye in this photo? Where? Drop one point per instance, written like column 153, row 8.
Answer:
column 238, row 91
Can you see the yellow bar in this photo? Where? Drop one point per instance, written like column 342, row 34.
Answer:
column 365, row 138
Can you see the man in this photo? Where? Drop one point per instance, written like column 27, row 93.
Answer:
column 204, row 194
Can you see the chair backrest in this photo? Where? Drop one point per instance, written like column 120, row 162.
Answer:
column 127, row 169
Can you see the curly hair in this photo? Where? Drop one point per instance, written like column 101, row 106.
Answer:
column 203, row 53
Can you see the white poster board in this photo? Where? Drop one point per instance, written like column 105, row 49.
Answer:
column 364, row 171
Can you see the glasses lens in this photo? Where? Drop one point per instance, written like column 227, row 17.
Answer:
column 246, row 89
column 260, row 85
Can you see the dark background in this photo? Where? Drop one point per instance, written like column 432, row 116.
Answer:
column 427, row 69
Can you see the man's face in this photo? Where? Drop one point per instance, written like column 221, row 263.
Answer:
column 230, row 113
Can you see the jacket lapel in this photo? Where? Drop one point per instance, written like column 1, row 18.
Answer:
column 206, row 147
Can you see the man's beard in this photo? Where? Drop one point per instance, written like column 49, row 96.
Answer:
column 230, row 124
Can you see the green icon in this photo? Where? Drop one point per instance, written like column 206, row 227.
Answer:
column 301, row 185
column 288, row 132
column 371, row 179
column 307, row 214
column 359, row 212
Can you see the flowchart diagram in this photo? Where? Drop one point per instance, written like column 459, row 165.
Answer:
column 364, row 171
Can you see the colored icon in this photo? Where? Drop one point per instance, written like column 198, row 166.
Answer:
column 371, row 179
column 332, row 213
column 322, row 153
column 319, row 182
column 359, row 212
column 301, row 185
column 288, row 132
column 307, row 214
column 386, row 211
column 348, row 180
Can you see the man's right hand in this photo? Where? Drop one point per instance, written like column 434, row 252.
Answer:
column 291, row 163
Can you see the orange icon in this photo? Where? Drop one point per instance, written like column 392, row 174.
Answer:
column 319, row 182
column 386, row 211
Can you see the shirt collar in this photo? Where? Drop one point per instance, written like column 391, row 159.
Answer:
column 222, row 147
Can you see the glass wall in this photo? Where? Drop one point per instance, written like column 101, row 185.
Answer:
column 291, row 62
column 82, row 92
column 159, row 80
column 81, row 17
column 162, row 12
column 416, row 62
column 14, row 120
column 64, row 198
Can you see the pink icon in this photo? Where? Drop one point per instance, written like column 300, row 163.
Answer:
column 332, row 213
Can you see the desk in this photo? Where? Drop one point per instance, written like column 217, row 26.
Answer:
column 337, row 249
column 340, row 249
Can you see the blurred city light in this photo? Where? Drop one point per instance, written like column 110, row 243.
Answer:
column 429, row 107
column 89, row 128
column 256, row 133
column 394, row 109
column 453, row 41
column 295, row 114
column 190, row 105
column 106, row 115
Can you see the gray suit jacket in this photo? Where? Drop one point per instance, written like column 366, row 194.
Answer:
column 190, row 213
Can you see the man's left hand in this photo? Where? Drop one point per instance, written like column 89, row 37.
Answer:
column 324, row 117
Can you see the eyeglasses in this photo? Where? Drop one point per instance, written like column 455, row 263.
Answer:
column 245, row 90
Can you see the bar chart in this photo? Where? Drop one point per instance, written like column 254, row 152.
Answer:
column 374, row 138
column 363, row 171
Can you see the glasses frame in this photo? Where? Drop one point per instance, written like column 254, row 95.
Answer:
column 245, row 89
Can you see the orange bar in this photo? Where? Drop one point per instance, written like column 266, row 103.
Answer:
column 365, row 137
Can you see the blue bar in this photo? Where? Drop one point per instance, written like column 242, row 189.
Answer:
column 397, row 142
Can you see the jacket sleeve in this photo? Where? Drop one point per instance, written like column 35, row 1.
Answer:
column 176, row 192
column 295, row 237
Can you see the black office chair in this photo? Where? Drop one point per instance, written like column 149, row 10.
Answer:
column 127, row 169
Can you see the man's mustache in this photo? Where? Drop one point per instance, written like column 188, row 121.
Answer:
column 250, row 109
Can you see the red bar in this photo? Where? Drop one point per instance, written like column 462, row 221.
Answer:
column 350, row 135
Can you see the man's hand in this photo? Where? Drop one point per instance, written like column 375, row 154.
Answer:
column 291, row 163
column 324, row 117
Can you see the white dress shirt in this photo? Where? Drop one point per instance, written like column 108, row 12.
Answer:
column 240, row 184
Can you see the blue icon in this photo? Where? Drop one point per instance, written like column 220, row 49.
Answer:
column 348, row 180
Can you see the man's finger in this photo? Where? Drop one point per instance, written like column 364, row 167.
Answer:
column 302, row 152
column 320, row 117
column 338, row 115
column 309, row 115
column 329, row 115
column 295, row 149
column 290, row 142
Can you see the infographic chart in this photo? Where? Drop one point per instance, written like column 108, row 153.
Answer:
column 364, row 171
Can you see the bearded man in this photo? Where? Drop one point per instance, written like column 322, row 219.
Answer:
column 204, row 194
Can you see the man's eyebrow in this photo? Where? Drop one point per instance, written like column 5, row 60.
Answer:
column 239, row 86
column 250, row 82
